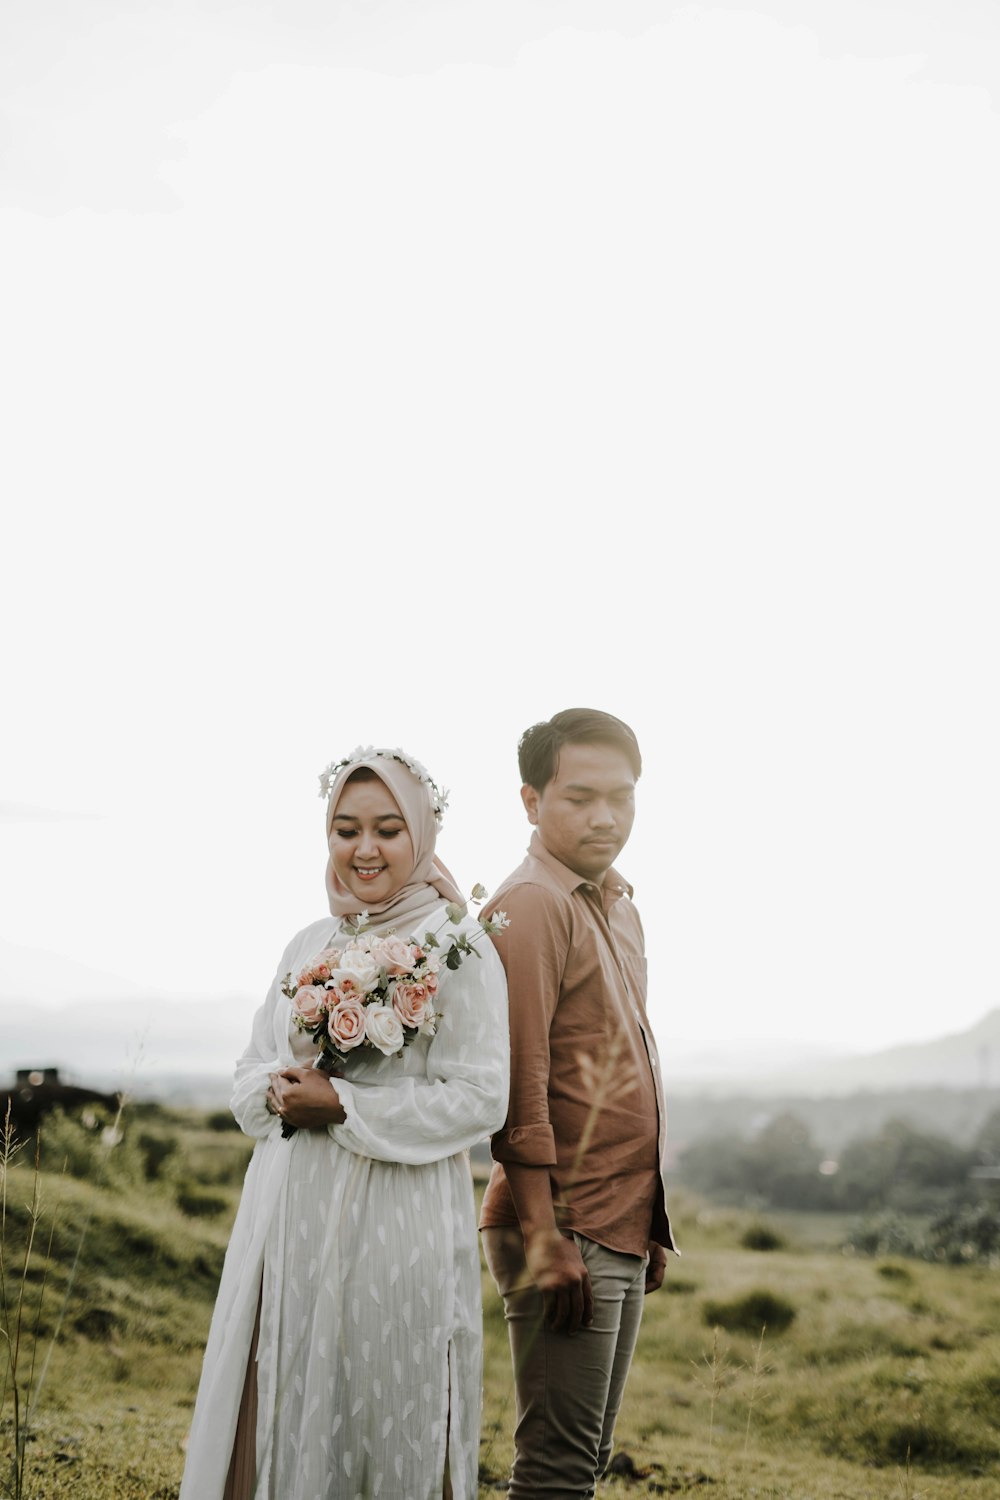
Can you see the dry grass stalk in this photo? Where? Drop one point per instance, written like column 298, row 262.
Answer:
column 717, row 1364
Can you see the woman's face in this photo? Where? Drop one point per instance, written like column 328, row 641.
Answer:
column 370, row 844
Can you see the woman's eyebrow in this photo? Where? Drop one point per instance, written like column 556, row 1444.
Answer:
column 379, row 818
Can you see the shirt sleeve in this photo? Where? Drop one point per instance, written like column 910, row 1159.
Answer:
column 533, row 951
column 464, row 1095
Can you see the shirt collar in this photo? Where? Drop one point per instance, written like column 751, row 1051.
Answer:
column 613, row 883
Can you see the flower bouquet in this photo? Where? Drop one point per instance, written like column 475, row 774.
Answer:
column 378, row 991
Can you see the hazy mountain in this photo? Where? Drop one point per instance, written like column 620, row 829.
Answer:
column 112, row 1036
column 142, row 1045
column 965, row 1059
column 37, row 972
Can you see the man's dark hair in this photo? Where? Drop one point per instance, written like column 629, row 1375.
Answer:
column 538, row 748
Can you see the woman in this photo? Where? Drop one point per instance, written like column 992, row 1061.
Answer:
column 344, row 1357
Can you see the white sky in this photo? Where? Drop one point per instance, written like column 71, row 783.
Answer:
column 405, row 374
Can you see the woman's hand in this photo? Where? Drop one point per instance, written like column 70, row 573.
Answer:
column 306, row 1098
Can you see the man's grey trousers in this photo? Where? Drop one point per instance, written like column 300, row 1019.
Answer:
column 568, row 1387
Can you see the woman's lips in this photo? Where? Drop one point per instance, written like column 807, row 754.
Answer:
column 368, row 874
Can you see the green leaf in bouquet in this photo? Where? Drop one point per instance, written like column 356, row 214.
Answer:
column 456, row 911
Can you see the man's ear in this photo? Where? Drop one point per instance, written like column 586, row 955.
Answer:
column 529, row 796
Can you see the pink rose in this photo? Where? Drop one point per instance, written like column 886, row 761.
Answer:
column 393, row 955
column 412, row 1003
column 310, row 1003
column 346, row 1024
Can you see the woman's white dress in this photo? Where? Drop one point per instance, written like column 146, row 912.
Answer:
column 360, row 1244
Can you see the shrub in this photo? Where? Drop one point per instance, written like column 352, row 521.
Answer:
column 201, row 1205
column 891, row 1270
column 761, row 1237
column 979, row 1386
column 750, row 1313
column 966, row 1234
column 852, row 1343
column 157, row 1151
column 886, row 1233
column 894, row 1424
column 98, row 1322
column 82, row 1144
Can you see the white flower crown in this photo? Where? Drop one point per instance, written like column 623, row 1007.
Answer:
column 363, row 753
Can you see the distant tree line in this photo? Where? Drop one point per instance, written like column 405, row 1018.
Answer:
column 834, row 1119
column 899, row 1167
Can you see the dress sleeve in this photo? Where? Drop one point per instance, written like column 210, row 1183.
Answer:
column 533, row 950
column 257, row 1063
column 464, row 1095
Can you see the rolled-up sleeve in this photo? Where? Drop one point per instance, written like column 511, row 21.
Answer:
column 531, row 1145
column 533, row 950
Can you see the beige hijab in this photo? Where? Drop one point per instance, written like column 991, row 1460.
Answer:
column 429, row 882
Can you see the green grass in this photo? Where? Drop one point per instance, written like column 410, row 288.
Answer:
column 870, row 1370
column 884, row 1385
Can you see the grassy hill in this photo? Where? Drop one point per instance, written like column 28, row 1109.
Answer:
column 795, row 1372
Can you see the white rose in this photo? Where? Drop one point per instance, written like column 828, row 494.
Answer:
column 383, row 1028
column 356, row 970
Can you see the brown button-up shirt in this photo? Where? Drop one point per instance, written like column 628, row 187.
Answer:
column 585, row 1093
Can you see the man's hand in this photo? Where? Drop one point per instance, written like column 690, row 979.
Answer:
column 557, row 1269
column 306, row 1098
column 657, row 1267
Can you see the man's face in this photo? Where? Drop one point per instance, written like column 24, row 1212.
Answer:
column 584, row 816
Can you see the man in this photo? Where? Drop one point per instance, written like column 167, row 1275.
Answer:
column 574, row 1223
